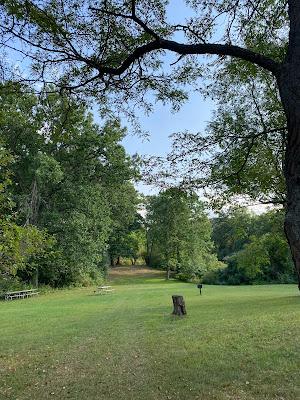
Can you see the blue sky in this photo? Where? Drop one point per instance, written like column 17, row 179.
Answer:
column 193, row 115
column 160, row 124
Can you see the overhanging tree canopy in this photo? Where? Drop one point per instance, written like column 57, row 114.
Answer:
column 240, row 154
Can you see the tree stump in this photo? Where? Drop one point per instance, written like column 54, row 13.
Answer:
column 179, row 305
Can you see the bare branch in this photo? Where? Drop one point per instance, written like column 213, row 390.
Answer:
column 132, row 17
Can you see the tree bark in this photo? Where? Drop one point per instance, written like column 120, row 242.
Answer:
column 292, row 178
column 179, row 305
column 289, row 87
column 34, row 204
column 168, row 273
column 36, row 278
column 149, row 250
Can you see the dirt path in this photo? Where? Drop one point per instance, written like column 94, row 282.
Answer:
column 139, row 271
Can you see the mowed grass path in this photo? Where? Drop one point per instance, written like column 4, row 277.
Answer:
column 235, row 343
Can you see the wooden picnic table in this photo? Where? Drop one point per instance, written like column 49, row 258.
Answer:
column 104, row 289
column 20, row 294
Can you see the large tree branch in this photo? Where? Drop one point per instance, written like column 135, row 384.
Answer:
column 200, row 49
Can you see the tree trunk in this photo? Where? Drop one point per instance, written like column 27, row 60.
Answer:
column 289, row 87
column 118, row 261
column 34, row 204
column 179, row 305
column 292, row 178
column 149, row 250
column 37, row 277
column 168, row 273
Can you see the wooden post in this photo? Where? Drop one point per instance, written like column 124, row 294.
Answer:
column 179, row 305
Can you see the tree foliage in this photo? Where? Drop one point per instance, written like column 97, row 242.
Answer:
column 241, row 152
column 253, row 246
column 106, row 47
column 179, row 234
column 20, row 246
column 66, row 172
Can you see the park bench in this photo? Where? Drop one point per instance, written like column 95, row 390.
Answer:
column 20, row 294
column 104, row 290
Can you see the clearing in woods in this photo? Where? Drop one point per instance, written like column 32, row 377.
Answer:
column 235, row 342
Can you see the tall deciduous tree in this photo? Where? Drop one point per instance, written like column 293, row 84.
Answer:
column 231, row 231
column 179, row 234
column 66, row 172
column 19, row 245
column 123, row 202
column 115, row 45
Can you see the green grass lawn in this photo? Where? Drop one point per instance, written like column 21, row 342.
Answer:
column 235, row 343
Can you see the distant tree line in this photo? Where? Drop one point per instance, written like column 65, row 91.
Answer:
column 253, row 248
column 236, row 247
